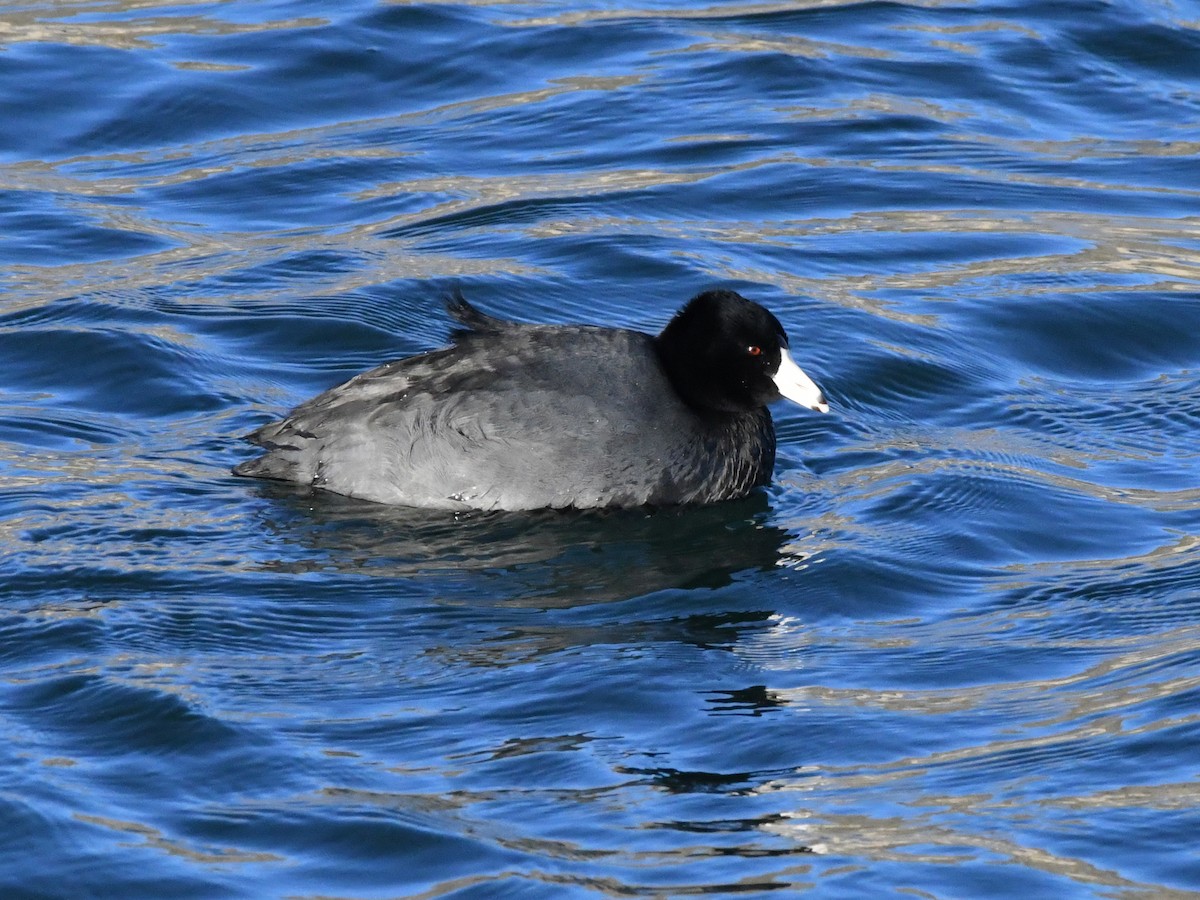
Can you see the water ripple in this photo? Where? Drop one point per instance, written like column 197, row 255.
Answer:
column 950, row 651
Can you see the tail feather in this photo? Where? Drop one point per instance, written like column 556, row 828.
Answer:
column 470, row 317
column 269, row 465
column 283, row 462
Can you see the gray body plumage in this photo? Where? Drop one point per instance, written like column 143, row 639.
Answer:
column 519, row 417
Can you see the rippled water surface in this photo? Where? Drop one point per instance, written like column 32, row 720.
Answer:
column 953, row 651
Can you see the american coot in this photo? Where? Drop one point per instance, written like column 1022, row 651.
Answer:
column 517, row 416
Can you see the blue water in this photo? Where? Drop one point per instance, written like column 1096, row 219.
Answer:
column 953, row 651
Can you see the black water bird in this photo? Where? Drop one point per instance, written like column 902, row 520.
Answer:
column 515, row 416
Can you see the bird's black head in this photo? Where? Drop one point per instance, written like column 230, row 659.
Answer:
column 724, row 353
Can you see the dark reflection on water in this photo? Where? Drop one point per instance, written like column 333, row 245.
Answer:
column 543, row 558
column 952, row 651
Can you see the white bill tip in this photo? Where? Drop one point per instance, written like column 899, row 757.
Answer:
column 796, row 386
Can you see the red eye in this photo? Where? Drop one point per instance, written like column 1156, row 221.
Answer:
column 754, row 350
